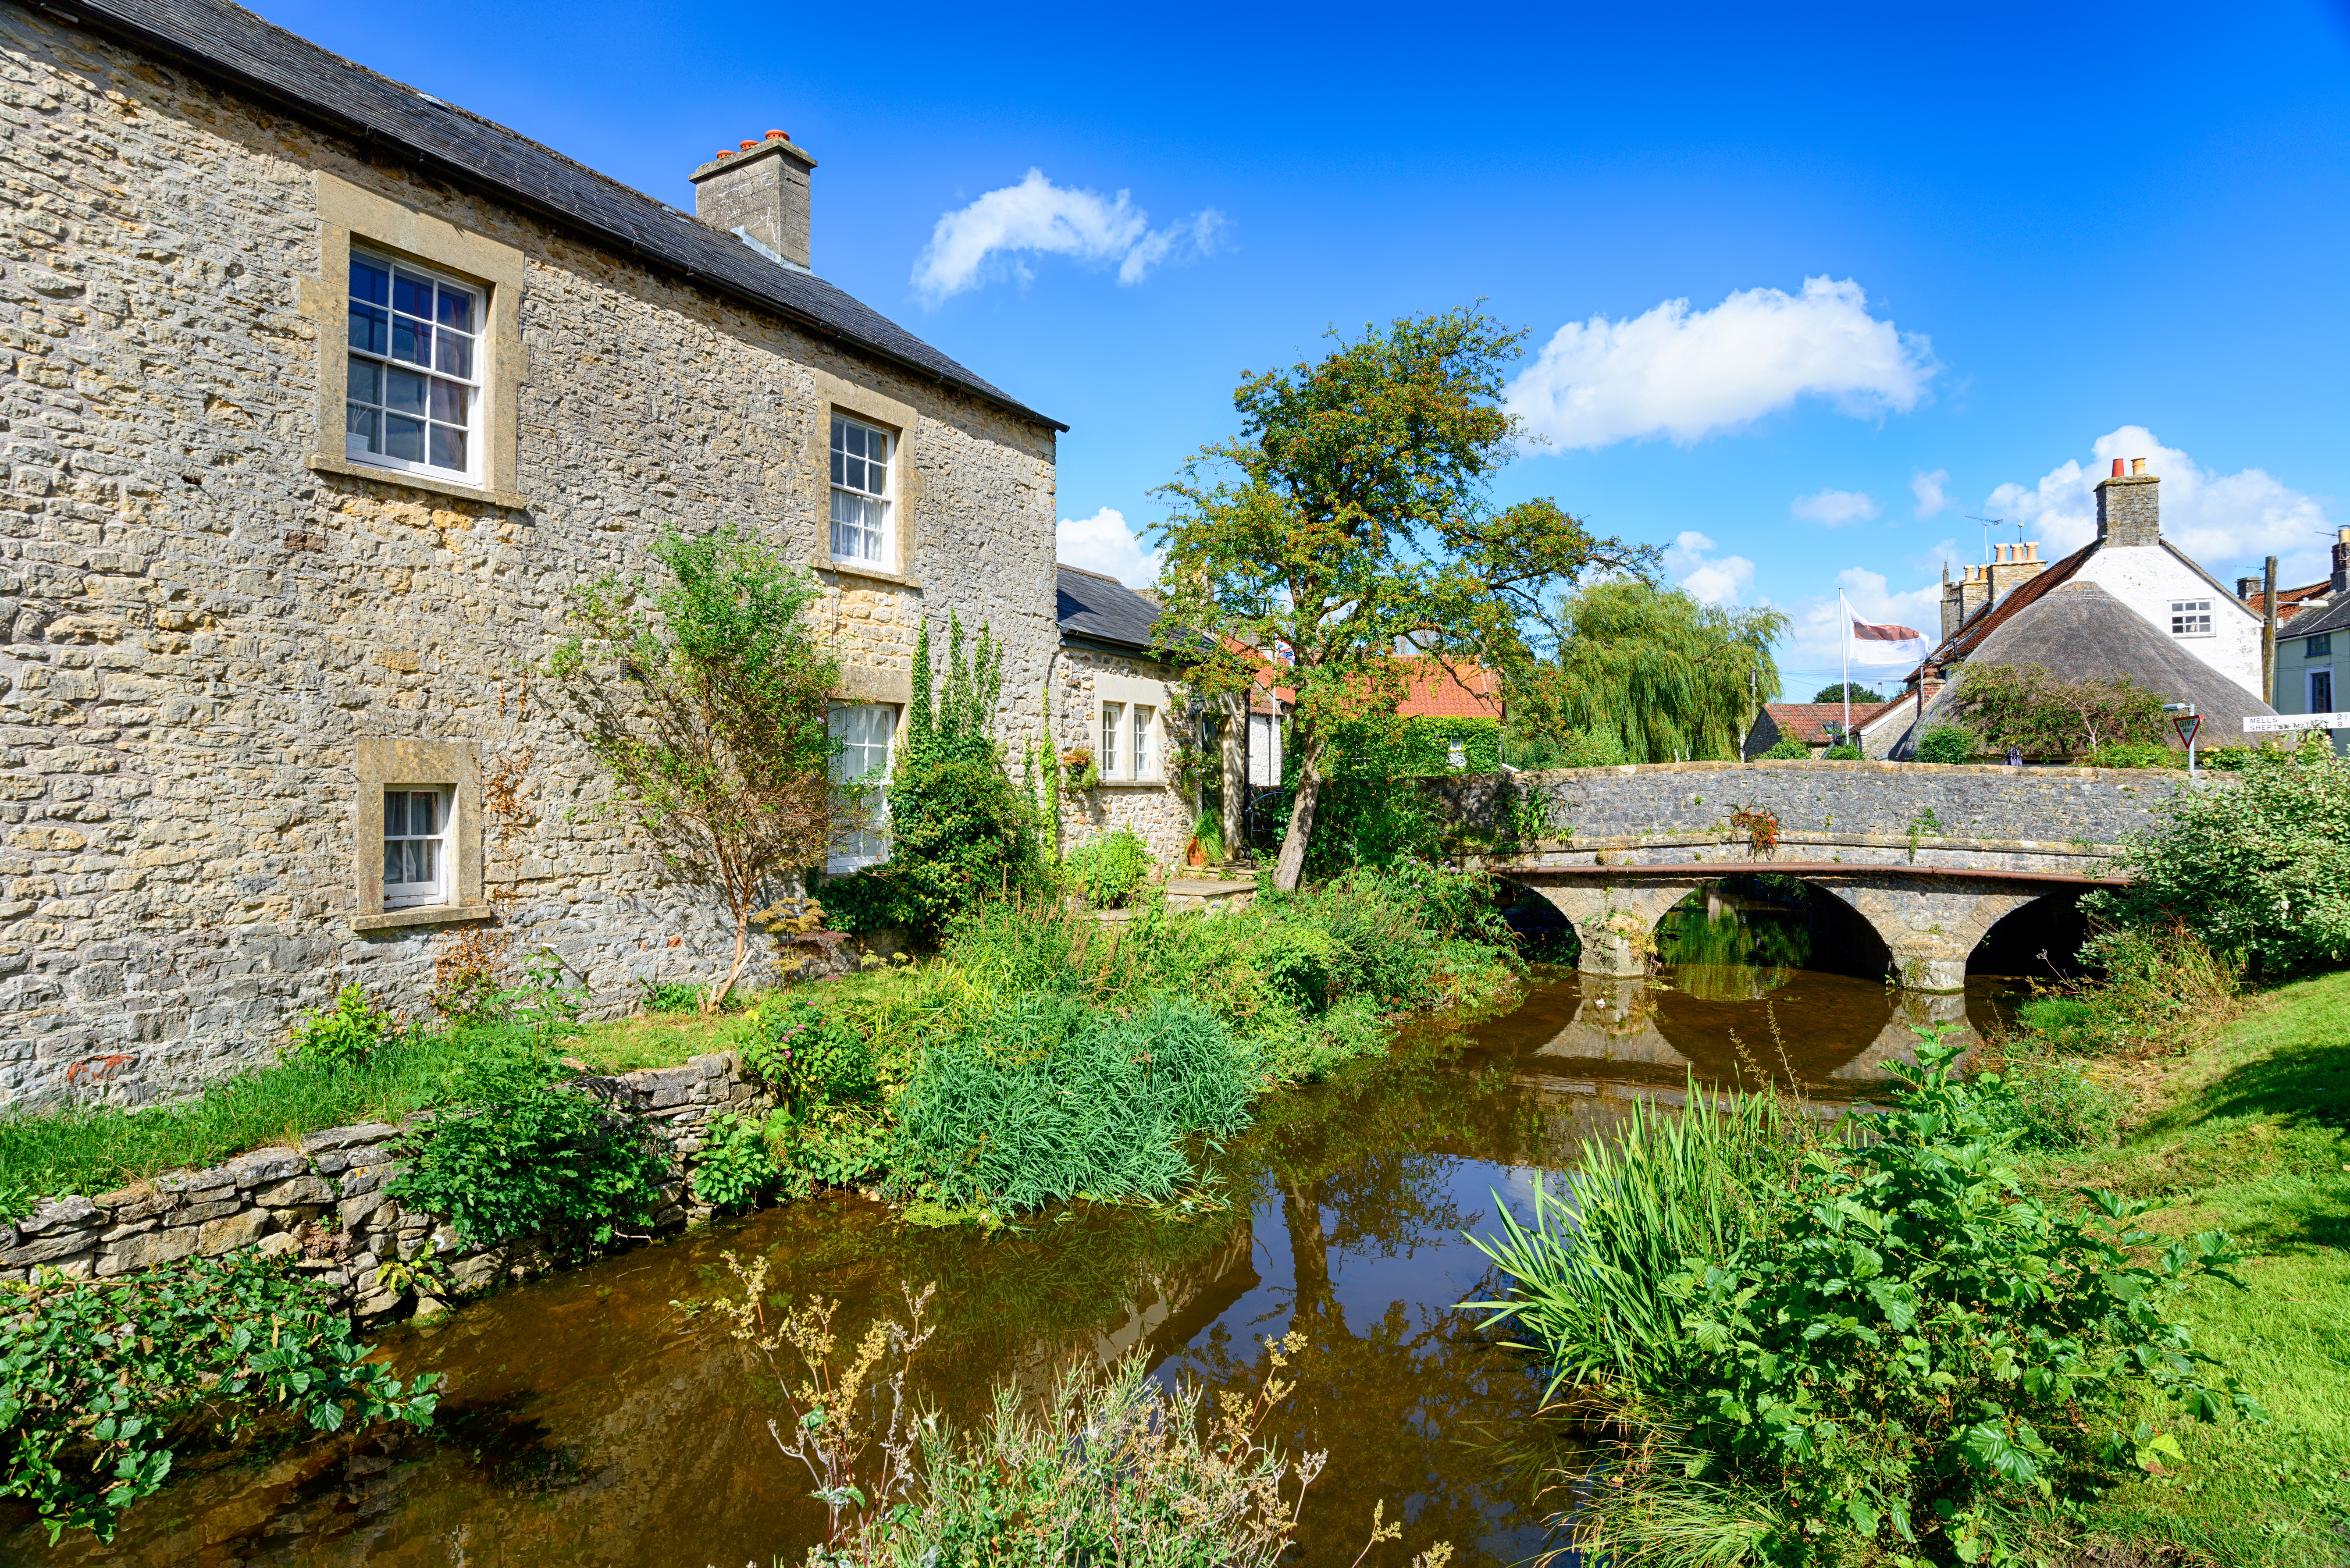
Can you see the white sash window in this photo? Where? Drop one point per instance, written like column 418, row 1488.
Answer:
column 860, row 493
column 864, row 731
column 412, row 374
column 415, row 847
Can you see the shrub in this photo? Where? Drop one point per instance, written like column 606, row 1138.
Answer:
column 670, row 996
column 735, row 1166
column 1106, row 870
column 103, row 1380
column 2135, row 754
column 1785, row 748
column 515, row 1154
column 344, row 1036
column 2259, row 868
column 1841, row 754
column 1887, row 1349
column 1945, row 743
column 2057, row 1103
column 806, row 1055
column 2024, row 705
column 468, row 977
column 1050, row 1098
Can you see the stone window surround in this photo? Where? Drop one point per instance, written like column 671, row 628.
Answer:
column 862, row 403
column 382, row 762
column 1128, row 690
column 349, row 214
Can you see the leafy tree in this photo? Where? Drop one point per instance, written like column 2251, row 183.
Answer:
column 2259, row 868
column 2024, row 705
column 1351, row 516
column 1670, row 679
column 959, row 830
column 709, row 715
column 1945, row 743
column 1858, row 694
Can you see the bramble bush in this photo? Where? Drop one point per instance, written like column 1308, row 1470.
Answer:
column 102, row 1381
column 1891, row 1348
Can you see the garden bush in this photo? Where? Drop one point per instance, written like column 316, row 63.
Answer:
column 805, row 1054
column 1785, row 748
column 2258, row 869
column 344, row 1036
column 2056, row 1101
column 518, row 1150
column 1945, row 743
column 1107, row 871
column 2135, row 754
column 1862, row 1352
column 1841, row 754
column 103, row 1381
column 736, row 1165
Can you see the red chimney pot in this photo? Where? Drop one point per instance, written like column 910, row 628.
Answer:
column 725, row 152
column 779, row 136
column 748, row 145
column 2117, row 468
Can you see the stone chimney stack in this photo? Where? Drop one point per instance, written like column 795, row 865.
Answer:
column 2128, row 512
column 759, row 194
column 2012, row 565
column 2342, row 562
column 1963, row 598
column 2247, row 587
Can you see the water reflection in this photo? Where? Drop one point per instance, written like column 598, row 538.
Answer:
column 589, row 1421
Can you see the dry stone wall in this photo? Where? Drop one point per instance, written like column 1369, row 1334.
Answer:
column 196, row 626
column 324, row 1202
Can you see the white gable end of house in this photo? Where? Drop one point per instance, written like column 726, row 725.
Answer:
column 2181, row 600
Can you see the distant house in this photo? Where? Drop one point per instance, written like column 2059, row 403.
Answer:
column 1818, row 725
column 1116, row 701
column 2079, row 630
column 2306, row 668
column 1452, row 718
column 2179, row 607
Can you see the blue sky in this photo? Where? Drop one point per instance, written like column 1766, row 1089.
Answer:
column 2044, row 236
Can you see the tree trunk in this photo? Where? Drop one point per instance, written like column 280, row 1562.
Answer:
column 1291, row 867
column 717, row 999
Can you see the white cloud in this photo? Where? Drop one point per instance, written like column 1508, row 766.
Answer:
column 1105, row 542
column 1816, row 642
column 2220, row 520
column 1929, row 488
column 974, row 244
column 1944, row 554
column 1835, row 508
column 1690, row 561
column 1685, row 374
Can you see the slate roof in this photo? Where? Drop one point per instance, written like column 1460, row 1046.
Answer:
column 1102, row 609
column 2314, row 621
column 238, row 49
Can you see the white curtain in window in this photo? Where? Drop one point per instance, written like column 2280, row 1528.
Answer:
column 864, row 731
column 1145, row 763
column 1111, row 713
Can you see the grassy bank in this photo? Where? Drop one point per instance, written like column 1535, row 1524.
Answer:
column 2251, row 1134
column 963, row 1051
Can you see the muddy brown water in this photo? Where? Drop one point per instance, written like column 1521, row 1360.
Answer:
column 588, row 1421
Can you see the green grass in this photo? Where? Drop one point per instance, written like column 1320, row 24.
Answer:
column 2251, row 1134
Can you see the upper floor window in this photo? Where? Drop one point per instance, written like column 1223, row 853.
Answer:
column 861, row 492
column 415, row 847
column 2318, row 647
column 2190, row 617
column 413, row 382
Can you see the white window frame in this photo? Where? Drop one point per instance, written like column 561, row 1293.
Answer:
column 1142, row 736
column 2191, row 611
column 436, row 847
column 872, row 545
column 858, row 847
column 1113, row 723
column 383, row 365
column 2309, row 680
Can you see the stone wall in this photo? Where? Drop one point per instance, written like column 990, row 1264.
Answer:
column 2057, row 805
column 1157, row 814
column 200, row 619
column 324, row 1201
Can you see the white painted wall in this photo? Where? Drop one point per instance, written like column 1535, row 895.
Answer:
column 2150, row 577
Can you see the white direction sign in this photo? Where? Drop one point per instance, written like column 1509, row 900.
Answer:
column 2272, row 723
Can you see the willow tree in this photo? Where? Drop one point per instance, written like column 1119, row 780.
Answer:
column 705, row 700
column 1671, row 679
column 1350, row 517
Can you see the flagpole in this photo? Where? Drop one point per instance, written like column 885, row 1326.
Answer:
column 1846, row 616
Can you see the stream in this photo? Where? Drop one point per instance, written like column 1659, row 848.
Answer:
column 589, row 1420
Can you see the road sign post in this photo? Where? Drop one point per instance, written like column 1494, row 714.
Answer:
column 2187, row 721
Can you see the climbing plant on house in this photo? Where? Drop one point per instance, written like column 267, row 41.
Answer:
column 1351, row 516
column 704, row 698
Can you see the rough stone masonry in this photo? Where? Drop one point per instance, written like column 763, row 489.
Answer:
column 205, row 611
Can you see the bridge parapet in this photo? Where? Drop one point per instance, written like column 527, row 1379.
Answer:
column 1931, row 856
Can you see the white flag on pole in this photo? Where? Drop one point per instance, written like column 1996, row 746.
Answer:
column 1868, row 644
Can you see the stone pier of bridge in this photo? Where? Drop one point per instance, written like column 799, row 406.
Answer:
column 1931, row 856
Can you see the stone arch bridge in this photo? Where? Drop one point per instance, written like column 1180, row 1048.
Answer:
column 1931, row 856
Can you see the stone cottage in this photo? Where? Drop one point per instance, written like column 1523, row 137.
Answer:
column 1120, row 707
column 320, row 393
